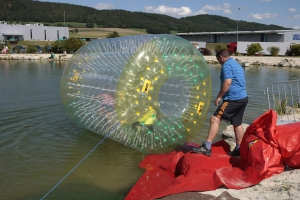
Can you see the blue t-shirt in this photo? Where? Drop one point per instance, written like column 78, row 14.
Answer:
column 232, row 70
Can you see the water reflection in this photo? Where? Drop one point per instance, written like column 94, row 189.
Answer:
column 40, row 144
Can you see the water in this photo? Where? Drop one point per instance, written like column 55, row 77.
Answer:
column 40, row 144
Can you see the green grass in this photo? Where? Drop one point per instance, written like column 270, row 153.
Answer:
column 70, row 24
column 139, row 30
column 102, row 32
column 41, row 43
column 280, row 105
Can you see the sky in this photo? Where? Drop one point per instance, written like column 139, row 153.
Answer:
column 285, row 13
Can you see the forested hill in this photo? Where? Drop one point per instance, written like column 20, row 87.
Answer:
column 24, row 11
column 219, row 23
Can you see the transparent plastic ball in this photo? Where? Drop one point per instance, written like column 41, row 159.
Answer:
column 149, row 92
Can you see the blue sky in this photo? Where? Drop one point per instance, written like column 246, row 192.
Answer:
column 284, row 13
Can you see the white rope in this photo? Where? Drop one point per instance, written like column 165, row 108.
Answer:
column 75, row 167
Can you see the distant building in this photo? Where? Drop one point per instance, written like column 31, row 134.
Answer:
column 291, row 36
column 33, row 32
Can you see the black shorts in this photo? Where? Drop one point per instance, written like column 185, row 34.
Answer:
column 232, row 111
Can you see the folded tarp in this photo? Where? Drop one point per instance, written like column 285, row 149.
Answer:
column 265, row 149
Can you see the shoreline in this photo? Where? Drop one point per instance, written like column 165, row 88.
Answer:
column 243, row 60
column 285, row 61
column 35, row 56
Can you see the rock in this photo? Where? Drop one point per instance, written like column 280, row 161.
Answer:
column 230, row 141
column 288, row 110
column 256, row 63
column 229, row 130
column 229, row 137
column 284, row 63
column 297, row 110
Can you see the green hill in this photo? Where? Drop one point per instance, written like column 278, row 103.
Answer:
column 24, row 11
column 219, row 23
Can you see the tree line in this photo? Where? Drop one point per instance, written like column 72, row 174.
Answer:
column 23, row 11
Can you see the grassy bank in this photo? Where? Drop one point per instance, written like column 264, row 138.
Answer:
column 102, row 32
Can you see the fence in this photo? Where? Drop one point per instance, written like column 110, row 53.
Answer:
column 284, row 98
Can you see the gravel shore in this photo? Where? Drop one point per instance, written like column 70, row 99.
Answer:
column 261, row 60
column 243, row 60
column 36, row 56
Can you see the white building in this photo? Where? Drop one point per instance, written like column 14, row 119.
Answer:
column 34, row 32
column 291, row 36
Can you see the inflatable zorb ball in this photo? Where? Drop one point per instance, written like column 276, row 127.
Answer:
column 149, row 92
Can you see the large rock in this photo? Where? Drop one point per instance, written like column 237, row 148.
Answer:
column 229, row 136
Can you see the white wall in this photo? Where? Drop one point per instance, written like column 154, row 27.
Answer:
column 293, row 37
column 33, row 32
column 283, row 46
column 245, row 36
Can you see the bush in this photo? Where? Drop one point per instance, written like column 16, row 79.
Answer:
column 89, row 25
column 273, row 50
column 219, row 47
column 205, row 51
column 280, row 105
column 113, row 35
column 158, row 30
column 47, row 48
column 31, row 48
column 72, row 45
column 57, row 46
column 294, row 50
column 8, row 45
column 254, row 48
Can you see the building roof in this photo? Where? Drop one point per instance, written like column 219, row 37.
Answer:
column 235, row 32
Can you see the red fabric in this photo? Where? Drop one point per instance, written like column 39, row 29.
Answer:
column 288, row 136
column 264, row 151
column 259, row 147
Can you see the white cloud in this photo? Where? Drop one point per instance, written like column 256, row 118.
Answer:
column 296, row 16
column 200, row 12
column 225, row 8
column 292, row 9
column 104, row 6
column 296, row 27
column 227, row 11
column 213, row 8
column 182, row 11
column 260, row 16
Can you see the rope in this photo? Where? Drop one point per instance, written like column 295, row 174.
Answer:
column 75, row 166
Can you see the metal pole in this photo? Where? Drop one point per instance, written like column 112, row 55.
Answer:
column 237, row 27
column 64, row 18
column 65, row 23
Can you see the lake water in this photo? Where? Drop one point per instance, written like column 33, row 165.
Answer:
column 40, row 145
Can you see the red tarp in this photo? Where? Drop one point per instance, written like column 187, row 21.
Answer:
column 265, row 149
